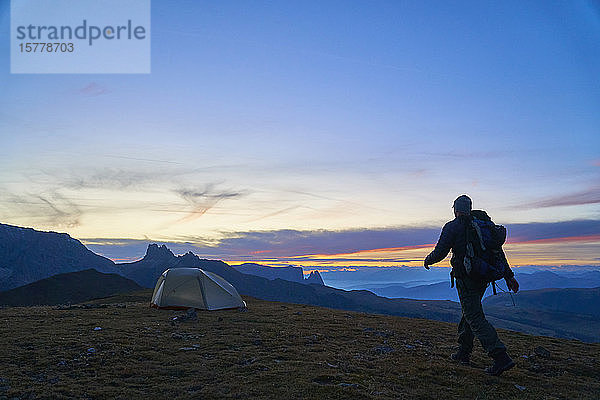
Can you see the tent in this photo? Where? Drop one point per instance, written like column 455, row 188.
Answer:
column 183, row 288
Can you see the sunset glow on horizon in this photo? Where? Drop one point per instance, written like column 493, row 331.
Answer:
column 525, row 254
column 571, row 251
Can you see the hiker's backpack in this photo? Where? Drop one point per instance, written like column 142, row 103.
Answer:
column 484, row 258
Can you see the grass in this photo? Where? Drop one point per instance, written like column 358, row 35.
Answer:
column 274, row 350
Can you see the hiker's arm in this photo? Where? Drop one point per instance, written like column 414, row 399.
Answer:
column 442, row 248
column 509, row 275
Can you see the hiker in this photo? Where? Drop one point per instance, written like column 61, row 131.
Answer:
column 455, row 237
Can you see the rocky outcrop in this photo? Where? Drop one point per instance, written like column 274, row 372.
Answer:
column 314, row 279
column 147, row 270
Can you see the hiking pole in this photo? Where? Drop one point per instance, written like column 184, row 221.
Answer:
column 509, row 292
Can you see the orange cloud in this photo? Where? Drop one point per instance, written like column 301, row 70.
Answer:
column 379, row 250
column 566, row 250
column 261, row 251
column 584, row 238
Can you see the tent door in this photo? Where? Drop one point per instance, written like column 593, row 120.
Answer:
column 203, row 290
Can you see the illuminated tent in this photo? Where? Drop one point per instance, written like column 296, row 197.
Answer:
column 183, row 288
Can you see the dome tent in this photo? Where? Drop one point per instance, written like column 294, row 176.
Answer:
column 183, row 288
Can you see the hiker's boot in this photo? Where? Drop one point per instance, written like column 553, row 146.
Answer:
column 462, row 357
column 502, row 362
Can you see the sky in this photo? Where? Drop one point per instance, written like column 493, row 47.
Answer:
column 318, row 133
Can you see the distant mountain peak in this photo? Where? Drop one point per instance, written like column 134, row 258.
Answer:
column 315, row 278
column 155, row 251
column 188, row 259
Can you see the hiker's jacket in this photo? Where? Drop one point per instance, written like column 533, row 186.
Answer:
column 454, row 237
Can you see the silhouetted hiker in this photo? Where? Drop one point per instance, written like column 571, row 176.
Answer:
column 455, row 236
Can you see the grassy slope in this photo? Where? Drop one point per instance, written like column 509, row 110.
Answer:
column 542, row 322
column 71, row 287
column 275, row 350
column 571, row 300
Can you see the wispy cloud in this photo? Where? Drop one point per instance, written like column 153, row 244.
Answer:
column 48, row 208
column 582, row 238
column 466, row 154
column 588, row 196
column 93, row 89
column 59, row 197
column 63, row 212
column 203, row 199
column 275, row 213
column 563, row 230
column 114, row 178
column 152, row 160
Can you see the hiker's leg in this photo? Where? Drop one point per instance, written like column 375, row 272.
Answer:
column 465, row 336
column 470, row 294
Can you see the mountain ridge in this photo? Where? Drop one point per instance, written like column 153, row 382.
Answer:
column 567, row 300
column 28, row 255
column 146, row 271
column 288, row 273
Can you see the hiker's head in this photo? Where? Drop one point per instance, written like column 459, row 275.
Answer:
column 462, row 205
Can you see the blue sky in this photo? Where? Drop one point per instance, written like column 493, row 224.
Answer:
column 314, row 116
